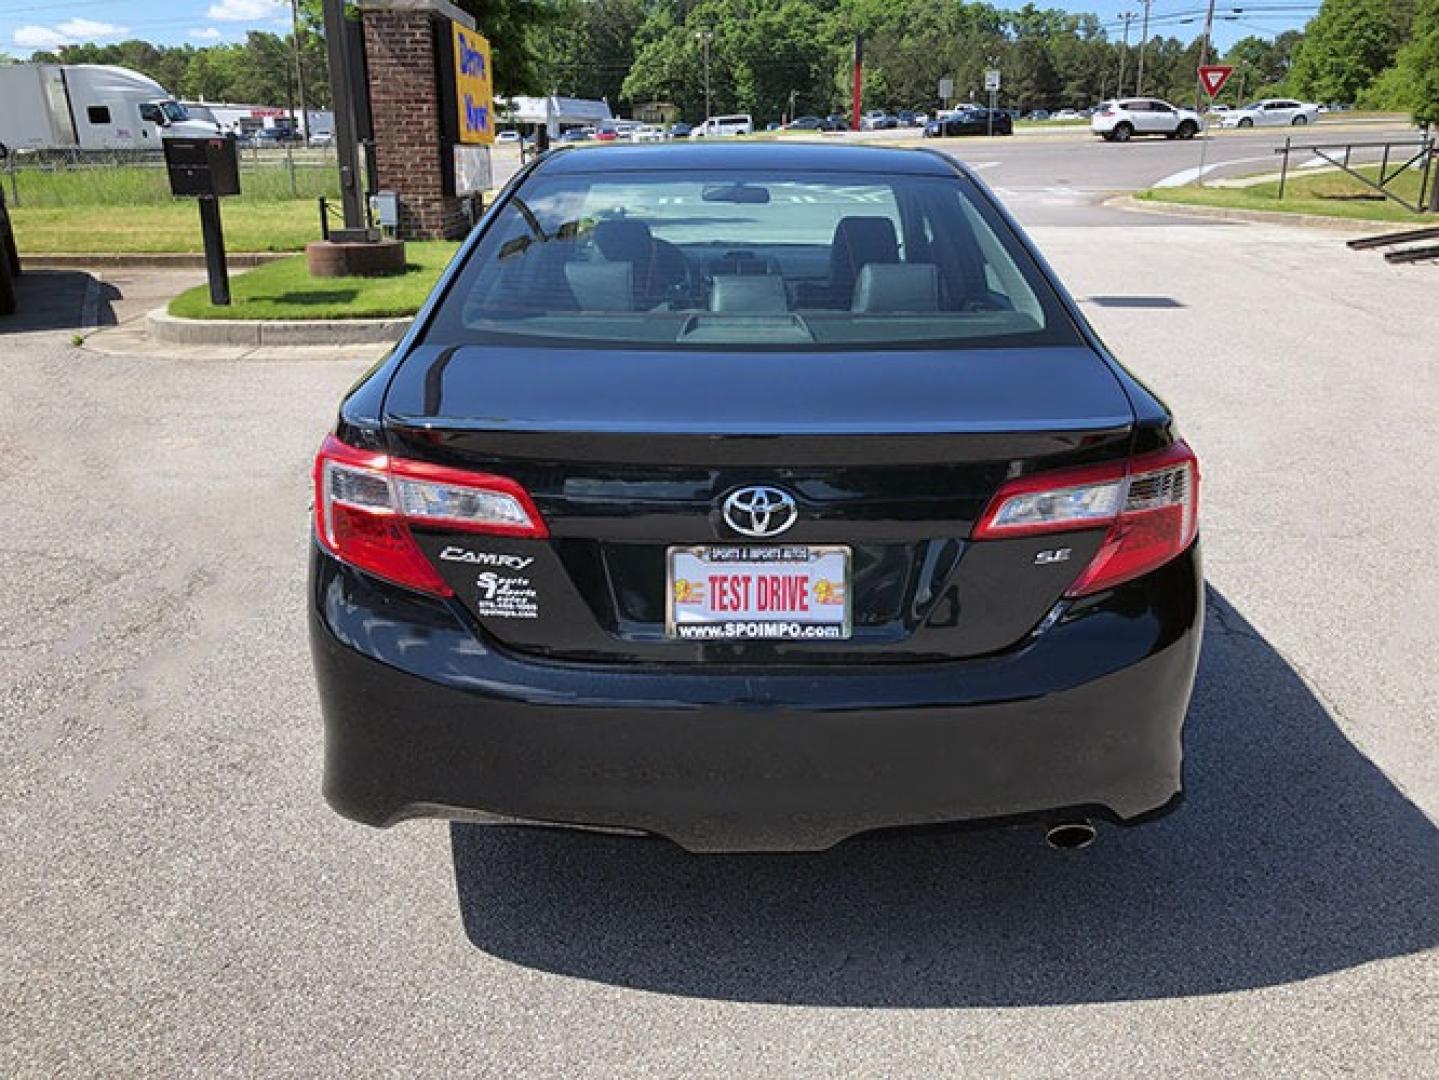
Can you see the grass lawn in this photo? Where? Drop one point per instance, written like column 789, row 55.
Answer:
column 249, row 226
column 285, row 290
column 1331, row 194
column 122, row 208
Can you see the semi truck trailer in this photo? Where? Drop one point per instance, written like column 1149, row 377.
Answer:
column 89, row 107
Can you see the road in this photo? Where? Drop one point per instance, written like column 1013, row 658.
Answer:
column 179, row 901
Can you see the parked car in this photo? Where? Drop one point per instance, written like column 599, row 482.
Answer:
column 735, row 124
column 9, row 252
column 507, row 138
column 814, row 523
column 277, row 136
column 970, row 122
column 1067, row 114
column 1272, row 112
column 1119, row 121
column 648, row 133
column 573, row 135
column 322, row 139
column 812, row 123
column 679, row 130
column 1038, row 114
column 773, row 125
column 878, row 120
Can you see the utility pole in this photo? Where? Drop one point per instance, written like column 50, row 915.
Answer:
column 1203, row 60
column 1128, row 18
column 300, row 66
column 1143, row 42
column 705, row 37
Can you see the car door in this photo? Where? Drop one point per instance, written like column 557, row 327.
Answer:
column 1278, row 113
column 1146, row 120
column 1163, row 118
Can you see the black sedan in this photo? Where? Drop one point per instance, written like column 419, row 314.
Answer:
column 812, row 123
column 970, row 122
column 753, row 495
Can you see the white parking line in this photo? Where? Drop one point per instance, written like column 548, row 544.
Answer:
column 1188, row 176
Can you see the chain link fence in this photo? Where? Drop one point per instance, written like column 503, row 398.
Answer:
column 76, row 178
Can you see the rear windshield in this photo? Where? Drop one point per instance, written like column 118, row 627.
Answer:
column 749, row 260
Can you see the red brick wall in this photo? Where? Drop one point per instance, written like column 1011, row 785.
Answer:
column 405, row 107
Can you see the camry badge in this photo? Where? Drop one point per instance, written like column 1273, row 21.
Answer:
column 760, row 511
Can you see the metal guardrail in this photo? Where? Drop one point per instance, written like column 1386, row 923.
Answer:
column 1426, row 151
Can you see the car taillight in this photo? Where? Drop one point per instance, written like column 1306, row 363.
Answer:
column 365, row 503
column 1149, row 506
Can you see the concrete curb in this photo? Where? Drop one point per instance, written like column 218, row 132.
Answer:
column 1263, row 217
column 150, row 260
column 260, row 333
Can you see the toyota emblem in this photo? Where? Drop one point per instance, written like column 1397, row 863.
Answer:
column 759, row 511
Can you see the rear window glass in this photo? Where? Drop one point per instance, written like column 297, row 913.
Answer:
column 749, row 259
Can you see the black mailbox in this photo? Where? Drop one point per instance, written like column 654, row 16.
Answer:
column 208, row 166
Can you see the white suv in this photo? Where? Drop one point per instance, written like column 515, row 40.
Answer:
column 1119, row 121
column 739, row 124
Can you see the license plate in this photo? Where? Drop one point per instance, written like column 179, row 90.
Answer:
column 748, row 592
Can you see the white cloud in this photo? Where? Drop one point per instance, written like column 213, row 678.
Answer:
column 242, row 10
column 69, row 32
column 90, row 30
column 206, row 33
column 39, row 37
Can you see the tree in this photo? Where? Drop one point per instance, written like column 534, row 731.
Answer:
column 1346, row 46
column 592, row 49
column 1413, row 82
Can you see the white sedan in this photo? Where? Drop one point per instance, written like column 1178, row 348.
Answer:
column 1272, row 112
column 1119, row 121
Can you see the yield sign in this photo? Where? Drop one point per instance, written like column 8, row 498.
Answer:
column 1214, row 76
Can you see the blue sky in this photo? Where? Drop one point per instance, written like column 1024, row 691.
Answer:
column 26, row 25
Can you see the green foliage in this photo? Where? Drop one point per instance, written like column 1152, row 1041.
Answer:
column 590, row 51
column 1346, row 46
column 1413, row 82
column 259, row 71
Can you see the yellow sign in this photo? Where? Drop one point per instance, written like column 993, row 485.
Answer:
column 474, row 88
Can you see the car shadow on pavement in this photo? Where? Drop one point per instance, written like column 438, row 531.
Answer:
column 60, row 300
column 1294, row 856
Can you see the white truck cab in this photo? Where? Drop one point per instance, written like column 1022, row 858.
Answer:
column 89, row 107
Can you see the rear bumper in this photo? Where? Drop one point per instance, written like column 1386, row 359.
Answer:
column 422, row 719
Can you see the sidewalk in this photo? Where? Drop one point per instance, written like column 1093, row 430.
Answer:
column 112, row 320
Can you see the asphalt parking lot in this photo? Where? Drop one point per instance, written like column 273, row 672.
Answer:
column 180, row 901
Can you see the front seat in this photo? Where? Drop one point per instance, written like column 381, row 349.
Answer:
column 858, row 242
column 656, row 266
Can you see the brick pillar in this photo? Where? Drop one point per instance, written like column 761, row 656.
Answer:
column 405, row 110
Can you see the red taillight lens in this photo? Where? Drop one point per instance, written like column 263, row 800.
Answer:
column 1149, row 505
column 365, row 503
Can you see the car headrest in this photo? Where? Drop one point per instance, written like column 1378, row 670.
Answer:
column 602, row 286
column 623, row 240
column 749, row 292
column 900, row 287
column 859, row 241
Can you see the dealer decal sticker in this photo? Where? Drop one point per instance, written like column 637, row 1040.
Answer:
column 506, row 596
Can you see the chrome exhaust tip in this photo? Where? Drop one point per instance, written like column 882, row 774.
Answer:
column 1070, row 835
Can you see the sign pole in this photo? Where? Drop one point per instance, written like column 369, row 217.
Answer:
column 215, row 268
column 991, row 83
column 1212, row 78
